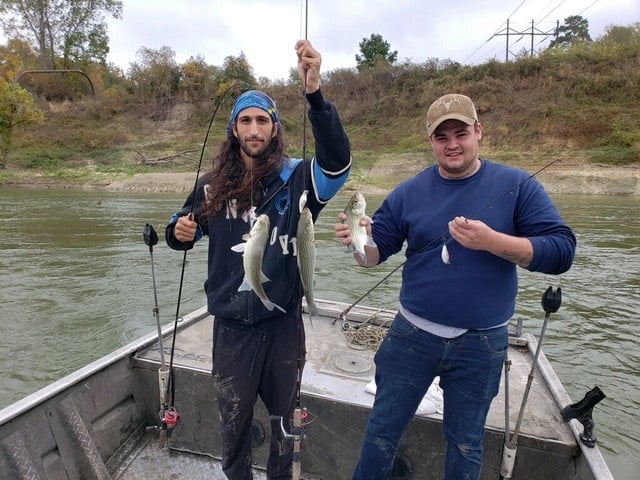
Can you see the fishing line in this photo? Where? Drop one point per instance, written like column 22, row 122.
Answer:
column 304, row 89
column 439, row 237
column 303, row 6
column 300, row 416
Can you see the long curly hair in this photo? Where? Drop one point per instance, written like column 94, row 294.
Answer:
column 231, row 179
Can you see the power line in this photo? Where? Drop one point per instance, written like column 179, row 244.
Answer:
column 587, row 8
column 497, row 30
column 551, row 11
column 543, row 9
column 533, row 32
column 517, row 8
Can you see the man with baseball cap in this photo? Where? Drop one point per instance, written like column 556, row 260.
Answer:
column 464, row 239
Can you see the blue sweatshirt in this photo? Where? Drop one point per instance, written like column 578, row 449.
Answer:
column 322, row 177
column 477, row 289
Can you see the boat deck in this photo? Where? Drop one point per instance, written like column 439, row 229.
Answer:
column 333, row 390
column 101, row 421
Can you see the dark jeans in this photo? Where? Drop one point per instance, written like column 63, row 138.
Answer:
column 406, row 363
column 254, row 360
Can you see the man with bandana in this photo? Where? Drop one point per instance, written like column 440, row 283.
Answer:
column 259, row 350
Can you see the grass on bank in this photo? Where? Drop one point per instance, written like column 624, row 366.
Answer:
column 580, row 105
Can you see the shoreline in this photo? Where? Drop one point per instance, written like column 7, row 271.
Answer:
column 577, row 179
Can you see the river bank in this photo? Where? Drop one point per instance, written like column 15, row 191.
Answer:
column 566, row 179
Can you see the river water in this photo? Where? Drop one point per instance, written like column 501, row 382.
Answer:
column 77, row 283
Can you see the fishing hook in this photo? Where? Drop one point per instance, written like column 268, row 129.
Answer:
column 344, row 313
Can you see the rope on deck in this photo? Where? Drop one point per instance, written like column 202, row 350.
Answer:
column 365, row 335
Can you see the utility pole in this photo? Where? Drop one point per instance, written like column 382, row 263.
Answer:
column 533, row 32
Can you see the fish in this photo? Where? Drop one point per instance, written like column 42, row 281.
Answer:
column 250, row 218
column 252, row 257
column 354, row 211
column 306, row 258
column 444, row 255
column 302, row 201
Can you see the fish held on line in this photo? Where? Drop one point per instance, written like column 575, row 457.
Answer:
column 302, row 201
column 355, row 211
column 444, row 255
column 306, row 258
column 252, row 257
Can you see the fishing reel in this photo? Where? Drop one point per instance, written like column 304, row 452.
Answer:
column 300, row 422
column 169, row 418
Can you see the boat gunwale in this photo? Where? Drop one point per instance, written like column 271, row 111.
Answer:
column 40, row 396
column 593, row 456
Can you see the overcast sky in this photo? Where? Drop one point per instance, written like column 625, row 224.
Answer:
column 266, row 30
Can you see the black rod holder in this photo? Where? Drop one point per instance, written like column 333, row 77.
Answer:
column 583, row 411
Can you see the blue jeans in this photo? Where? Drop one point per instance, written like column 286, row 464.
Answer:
column 407, row 361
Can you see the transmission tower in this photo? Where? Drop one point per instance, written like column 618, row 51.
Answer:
column 533, row 32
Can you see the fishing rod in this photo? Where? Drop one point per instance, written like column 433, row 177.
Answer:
column 300, row 415
column 345, row 312
column 551, row 300
column 304, row 87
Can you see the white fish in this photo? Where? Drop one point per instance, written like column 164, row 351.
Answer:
column 444, row 254
column 252, row 262
column 302, row 201
column 306, row 257
column 249, row 217
column 354, row 211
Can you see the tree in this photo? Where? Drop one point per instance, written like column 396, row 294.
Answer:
column 15, row 57
column 574, row 30
column 629, row 36
column 156, row 74
column 72, row 29
column 198, row 80
column 239, row 69
column 374, row 51
column 17, row 106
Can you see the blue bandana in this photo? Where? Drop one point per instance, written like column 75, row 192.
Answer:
column 252, row 98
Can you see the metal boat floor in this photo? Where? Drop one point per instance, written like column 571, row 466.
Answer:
column 339, row 372
column 153, row 462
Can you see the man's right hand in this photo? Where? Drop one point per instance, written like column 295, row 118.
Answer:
column 185, row 229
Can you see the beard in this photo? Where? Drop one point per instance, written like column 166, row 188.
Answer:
column 254, row 147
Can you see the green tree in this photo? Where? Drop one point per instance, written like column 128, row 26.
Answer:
column 17, row 106
column 15, row 57
column 155, row 74
column 374, row 50
column 71, row 29
column 199, row 81
column 239, row 69
column 574, row 30
column 629, row 36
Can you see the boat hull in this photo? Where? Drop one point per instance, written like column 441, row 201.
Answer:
column 98, row 422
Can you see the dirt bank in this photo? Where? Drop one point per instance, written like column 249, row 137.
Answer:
column 583, row 179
